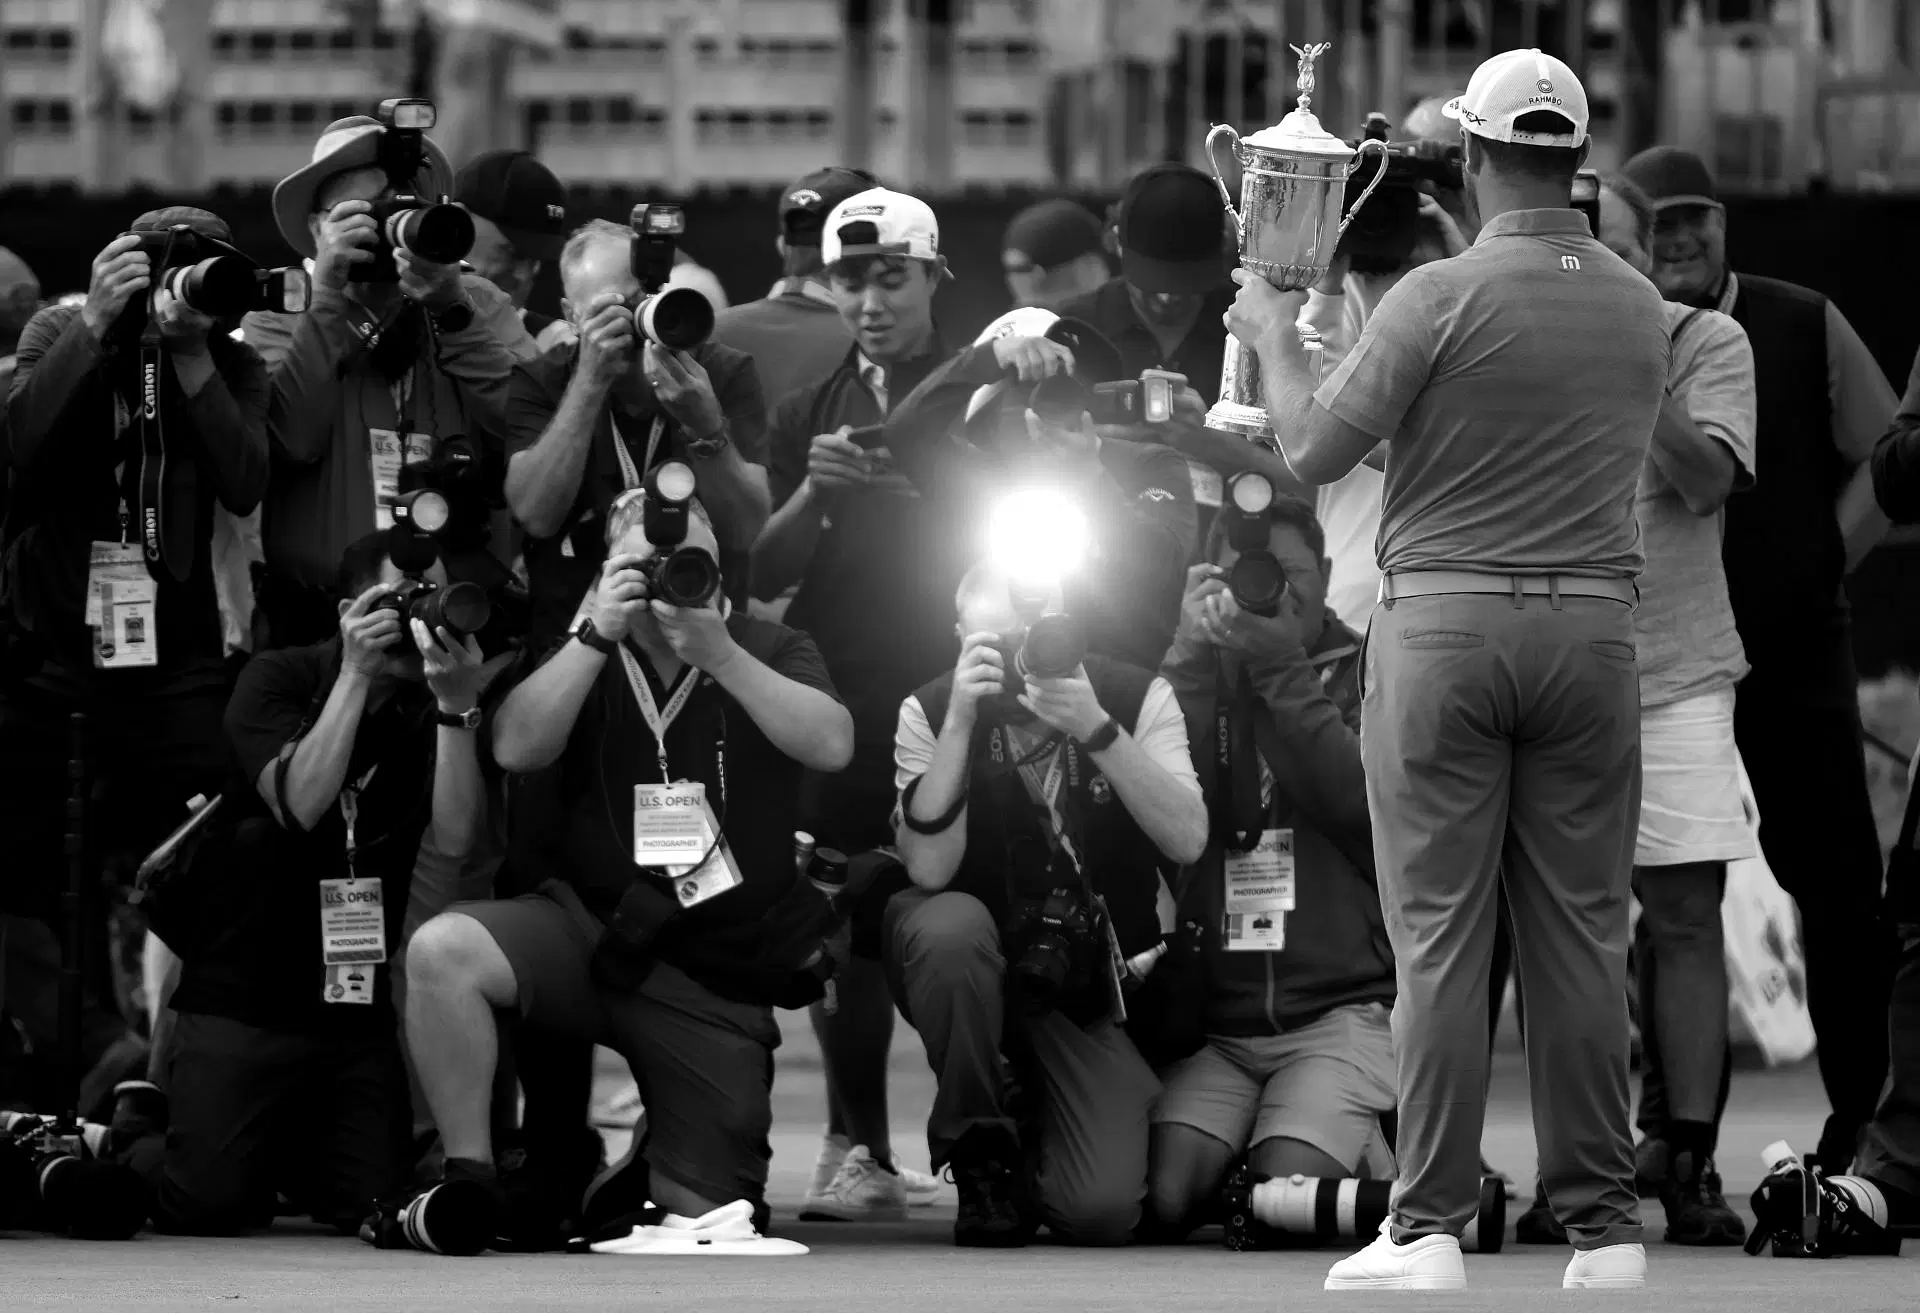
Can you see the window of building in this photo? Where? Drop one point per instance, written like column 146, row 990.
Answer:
column 579, row 111
column 261, row 45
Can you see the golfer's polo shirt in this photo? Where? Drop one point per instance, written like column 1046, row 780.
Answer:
column 1518, row 384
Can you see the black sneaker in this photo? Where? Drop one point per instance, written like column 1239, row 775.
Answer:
column 1651, row 1158
column 1697, row 1213
column 1538, row 1225
column 984, row 1170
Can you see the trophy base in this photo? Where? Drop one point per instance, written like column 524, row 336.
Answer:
column 1249, row 422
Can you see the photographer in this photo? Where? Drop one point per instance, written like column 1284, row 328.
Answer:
column 396, row 354
column 587, row 421
column 284, row 1071
column 519, row 211
column 874, row 560
column 677, row 972
column 1136, row 496
column 1020, row 859
column 116, row 477
column 1297, row 1069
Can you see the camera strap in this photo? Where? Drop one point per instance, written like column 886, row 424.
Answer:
column 660, row 718
column 1243, row 791
column 1043, row 790
column 630, row 475
column 350, row 814
column 153, row 458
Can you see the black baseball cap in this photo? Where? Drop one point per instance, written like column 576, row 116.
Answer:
column 520, row 196
column 1053, row 233
column 202, row 223
column 804, row 206
column 1173, row 231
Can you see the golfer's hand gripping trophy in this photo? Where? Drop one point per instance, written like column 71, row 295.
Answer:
column 1293, row 177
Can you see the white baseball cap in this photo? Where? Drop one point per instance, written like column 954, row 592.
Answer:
column 880, row 222
column 1517, row 83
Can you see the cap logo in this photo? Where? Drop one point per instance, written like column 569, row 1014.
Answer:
column 805, row 196
column 1544, row 86
column 864, row 212
column 557, row 213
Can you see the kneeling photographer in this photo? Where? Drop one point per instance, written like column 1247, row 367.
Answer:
column 130, row 417
column 1296, row 1070
column 401, row 352
column 284, row 1071
column 670, row 919
column 1032, row 821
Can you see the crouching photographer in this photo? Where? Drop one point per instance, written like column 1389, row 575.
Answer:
column 283, row 1073
column 671, row 919
column 1296, row 1071
column 130, row 417
column 1031, row 821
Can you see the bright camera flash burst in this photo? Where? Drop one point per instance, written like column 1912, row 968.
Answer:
column 1037, row 537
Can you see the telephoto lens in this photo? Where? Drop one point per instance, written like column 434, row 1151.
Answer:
column 221, row 286
column 438, row 233
column 51, row 1182
column 457, row 1218
column 462, row 609
column 676, row 318
column 1255, row 578
column 1304, row 1212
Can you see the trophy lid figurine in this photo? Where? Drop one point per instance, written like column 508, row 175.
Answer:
column 1293, row 178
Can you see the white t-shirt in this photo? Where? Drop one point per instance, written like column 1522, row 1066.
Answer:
column 1349, row 508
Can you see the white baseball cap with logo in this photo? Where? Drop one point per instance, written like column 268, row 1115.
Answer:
column 1517, row 83
column 880, row 222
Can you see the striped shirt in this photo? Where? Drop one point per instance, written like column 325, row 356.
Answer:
column 1517, row 385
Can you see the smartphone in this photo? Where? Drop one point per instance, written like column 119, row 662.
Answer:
column 170, row 848
column 1586, row 198
column 868, row 437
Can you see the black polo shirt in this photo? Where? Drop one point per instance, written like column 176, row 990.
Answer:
column 256, row 896
column 1200, row 355
column 560, row 568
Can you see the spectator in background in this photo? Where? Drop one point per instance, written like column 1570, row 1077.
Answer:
column 519, row 211
column 1052, row 252
column 19, row 299
column 374, row 375
column 796, row 333
column 1692, row 818
column 1790, row 541
column 873, row 561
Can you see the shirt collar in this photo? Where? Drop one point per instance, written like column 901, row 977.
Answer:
column 1729, row 294
column 1522, row 223
column 805, row 287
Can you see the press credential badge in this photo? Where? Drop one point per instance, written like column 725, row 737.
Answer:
column 1259, row 894
column 387, row 453
column 673, row 827
column 353, row 938
column 122, row 607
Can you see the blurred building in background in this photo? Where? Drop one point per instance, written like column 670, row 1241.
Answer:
column 939, row 95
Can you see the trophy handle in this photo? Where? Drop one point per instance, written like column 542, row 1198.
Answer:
column 1213, row 158
column 1379, row 176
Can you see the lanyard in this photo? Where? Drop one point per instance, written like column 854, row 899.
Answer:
column 659, row 718
column 350, row 812
column 402, row 390
column 629, row 475
column 1047, row 791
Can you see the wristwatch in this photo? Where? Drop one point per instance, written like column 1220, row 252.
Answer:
column 708, row 447
column 584, row 631
column 468, row 719
column 453, row 318
column 1102, row 739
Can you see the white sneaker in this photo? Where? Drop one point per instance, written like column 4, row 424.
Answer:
column 833, row 1151
column 861, row 1191
column 923, row 1191
column 1432, row 1262
column 726, row 1232
column 1611, row 1267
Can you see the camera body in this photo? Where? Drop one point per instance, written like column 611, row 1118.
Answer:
column 1061, row 399
column 1052, row 944
column 1381, row 235
column 676, row 574
column 1256, row 578
column 462, row 609
column 1044, row 647
column 1586, row 198
column 674, row 318
column 213, row 278
column 443, row 499
column 432, row 229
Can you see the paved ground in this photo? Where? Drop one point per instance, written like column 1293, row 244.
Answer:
column 913, row 1266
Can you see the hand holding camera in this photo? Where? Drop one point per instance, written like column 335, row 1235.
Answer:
column 980, row 676
column 1226, row 624
column 606, row 339
column 835, row 461
column 182, row 328
column 1440, row 225
column 119, row 272
column 348, row 236
column 433, row 285
column 681, row 386
column 622, row 596
column 452, row 666
column 1066, row 703
column 367, row 632
column 1033, row 358
column 697, row 634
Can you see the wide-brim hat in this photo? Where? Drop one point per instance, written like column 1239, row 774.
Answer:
column 347, row 144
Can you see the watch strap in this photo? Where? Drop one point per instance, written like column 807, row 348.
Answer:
column 593, row 638
column 1103, row 738
column 468, row 719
